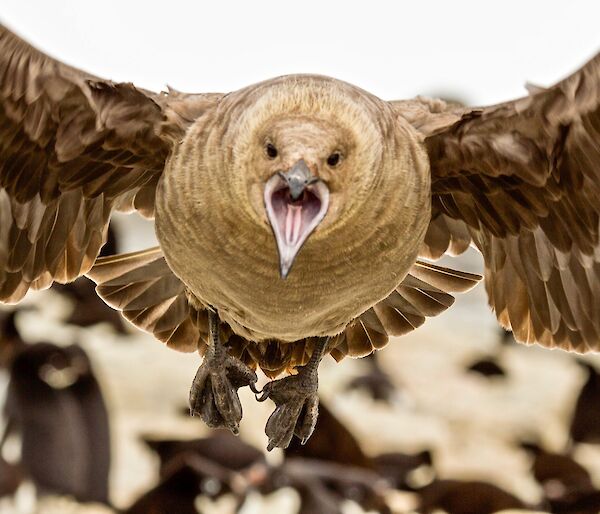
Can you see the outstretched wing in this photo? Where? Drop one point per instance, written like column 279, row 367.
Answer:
column 523, row 179
column 424, row 292
column 72, row 148
column 142, row 286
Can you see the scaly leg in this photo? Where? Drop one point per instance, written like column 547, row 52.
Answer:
column 296, row 400
column 213, row 395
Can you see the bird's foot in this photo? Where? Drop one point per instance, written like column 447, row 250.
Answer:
column 297, row 407
column 214, row 395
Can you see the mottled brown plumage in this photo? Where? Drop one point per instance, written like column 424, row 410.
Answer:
column 394, row 181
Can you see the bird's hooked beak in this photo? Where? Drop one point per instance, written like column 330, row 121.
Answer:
column 296, row 202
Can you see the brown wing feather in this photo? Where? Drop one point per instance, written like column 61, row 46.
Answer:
column 142, row 286
column 423, row 293
column 72, row 148
column 430, row 116
column 524, row 179
column 445, row 235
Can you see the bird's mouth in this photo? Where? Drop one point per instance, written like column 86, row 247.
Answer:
column 296, row 202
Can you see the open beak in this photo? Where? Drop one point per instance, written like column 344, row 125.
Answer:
column 296, row 202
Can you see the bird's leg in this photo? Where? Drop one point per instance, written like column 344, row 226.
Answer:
column 213, row 395
column 296, row 401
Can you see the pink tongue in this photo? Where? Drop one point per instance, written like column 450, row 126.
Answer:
column 293, row 222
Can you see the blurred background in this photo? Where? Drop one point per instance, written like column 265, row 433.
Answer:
column 454, row 417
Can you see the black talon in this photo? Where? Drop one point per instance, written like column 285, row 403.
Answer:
column 252, row 387
column 264, row 397
column 213, row 395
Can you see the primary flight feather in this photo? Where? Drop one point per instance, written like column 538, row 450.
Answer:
column 291, row 215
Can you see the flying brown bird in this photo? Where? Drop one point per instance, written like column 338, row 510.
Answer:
column 291, row 215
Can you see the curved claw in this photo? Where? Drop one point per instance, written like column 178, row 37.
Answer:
column 265, row 394
column 252, row 386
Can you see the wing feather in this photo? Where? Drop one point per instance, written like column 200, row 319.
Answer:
column 73, row 147
column 142, row 286
column 522, row 181
column 424, row 292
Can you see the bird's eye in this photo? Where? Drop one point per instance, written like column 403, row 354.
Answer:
column 271, row 151
column 333, row 159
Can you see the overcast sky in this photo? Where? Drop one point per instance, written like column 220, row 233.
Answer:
column 482, row 52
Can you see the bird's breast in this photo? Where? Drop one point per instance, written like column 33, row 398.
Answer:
column 237, row 273
column 234, row 268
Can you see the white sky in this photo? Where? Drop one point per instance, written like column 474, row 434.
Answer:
column 482, row 52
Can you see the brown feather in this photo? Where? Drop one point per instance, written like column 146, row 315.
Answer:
column 424, row 292
column 149, row 295
column 72, row 147
column 523, row 178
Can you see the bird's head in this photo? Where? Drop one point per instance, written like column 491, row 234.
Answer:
column 308, row 150
column 303, row 159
